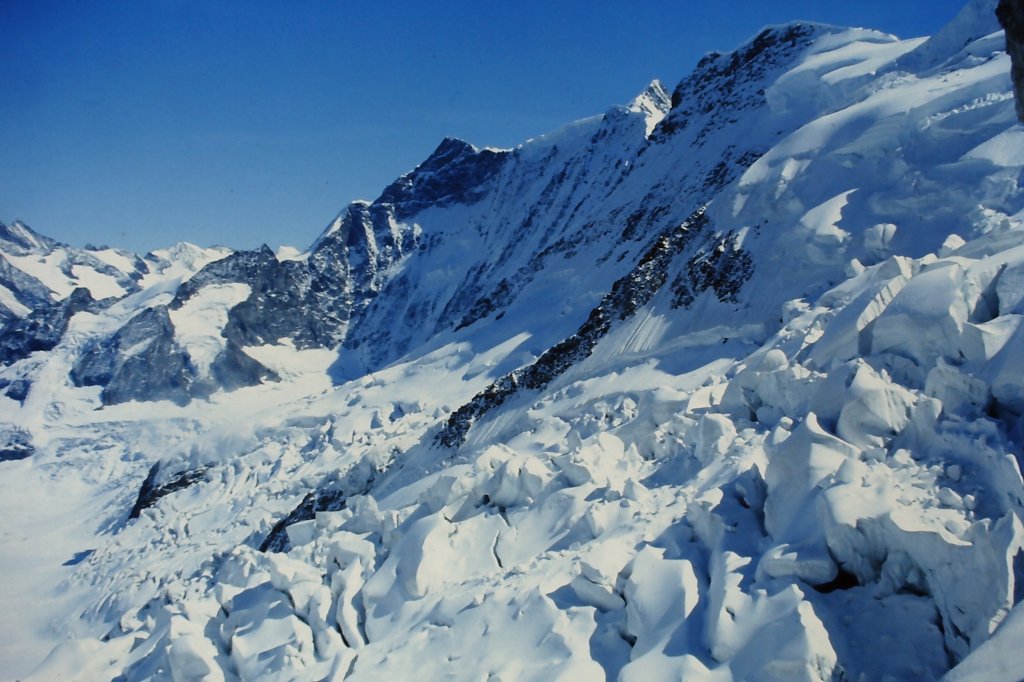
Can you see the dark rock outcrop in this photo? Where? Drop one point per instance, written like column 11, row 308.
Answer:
column 316, row 501
column 15, row 443
column 722, row 267
column 151, row 491
column 285, row 301
column 20, row 239
column 142, row 361
column 724, row 85
column 233, row 369
column 43, row 329
column 16, row 390
column 28, row 290
column 1011, row 17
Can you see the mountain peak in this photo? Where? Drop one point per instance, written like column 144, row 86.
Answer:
column 453, row 173
column 653, row 98
column 23, row 238
column 736, row 80
column 654, row 102
column 449, row 146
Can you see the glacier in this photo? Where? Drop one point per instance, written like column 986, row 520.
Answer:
column 722, row 384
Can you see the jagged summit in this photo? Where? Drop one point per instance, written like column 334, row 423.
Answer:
column 454, row 173
column 653, row 98
column 724, row 84
column 20, row 238
column 654, row 102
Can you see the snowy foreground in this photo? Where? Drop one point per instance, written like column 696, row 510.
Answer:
column 722, row 386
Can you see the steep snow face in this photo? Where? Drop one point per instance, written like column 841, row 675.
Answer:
column 199, row 321
column 721, row 386
column 597, row 191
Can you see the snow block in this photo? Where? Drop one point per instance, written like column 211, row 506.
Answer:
column 510, row 479
column 267, row 640
column 798, row 471
column 848, row 334
column 661, row 595
column 926, row 319
column 1004, row 373
column 875, row 409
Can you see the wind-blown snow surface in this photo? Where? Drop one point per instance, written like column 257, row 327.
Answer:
column 731, row 382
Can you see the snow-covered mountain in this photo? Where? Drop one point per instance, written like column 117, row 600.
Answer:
column 724, row 383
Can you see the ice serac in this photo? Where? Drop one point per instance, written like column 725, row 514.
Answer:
column 721, row 386
column 976, row 21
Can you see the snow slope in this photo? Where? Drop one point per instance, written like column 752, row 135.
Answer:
column 724, row 384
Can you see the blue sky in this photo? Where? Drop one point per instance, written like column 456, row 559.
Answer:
column 142, row 123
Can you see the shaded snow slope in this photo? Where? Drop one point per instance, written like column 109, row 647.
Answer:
column 720, row 385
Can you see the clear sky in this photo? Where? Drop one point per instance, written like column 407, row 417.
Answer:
column 140, row 123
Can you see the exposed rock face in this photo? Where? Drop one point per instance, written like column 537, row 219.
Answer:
column 151, row 490
column 283, row 294
column 27, row 290
column 729, row 84
column 455, row 173
column 56, row 270
column 316, row 501
column 140, row 362
column 43, row 329
column 16, row 390
column 232, row 369
column 15, row 443
column 721, row 266
column 351, row 260
column 1011, row 17
column 20, row 239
